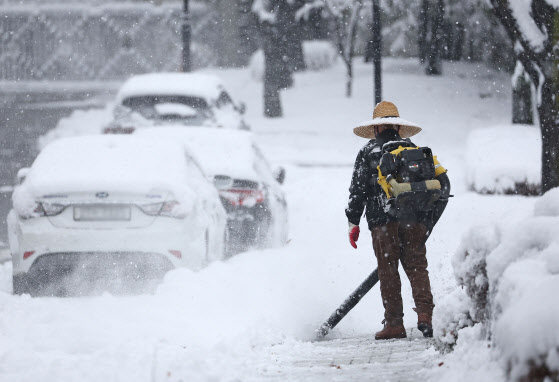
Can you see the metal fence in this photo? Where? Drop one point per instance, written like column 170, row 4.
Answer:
column 69, row 41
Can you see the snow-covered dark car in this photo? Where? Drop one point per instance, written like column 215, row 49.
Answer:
column 249, row 188
column 188, row 99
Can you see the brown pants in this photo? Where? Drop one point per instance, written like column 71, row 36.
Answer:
column 404, row 242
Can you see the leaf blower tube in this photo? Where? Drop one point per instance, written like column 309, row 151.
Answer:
column 348, row 305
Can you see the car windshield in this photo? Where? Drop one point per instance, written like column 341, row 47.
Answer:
column 189, row 110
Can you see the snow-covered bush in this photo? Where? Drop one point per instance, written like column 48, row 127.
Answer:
column 504, row 160
column 318, row 54
column 469, row 266
column 510, row 273
column 453, row 313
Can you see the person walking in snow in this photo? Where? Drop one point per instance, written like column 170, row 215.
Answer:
column 398, row 236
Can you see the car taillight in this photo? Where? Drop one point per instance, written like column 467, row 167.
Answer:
column 242, row 196
column 28, row 254
column 47, row 209
column 43, row 209
column 52, row 209
column 171, row 209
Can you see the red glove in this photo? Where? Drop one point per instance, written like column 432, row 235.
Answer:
column 353, row 234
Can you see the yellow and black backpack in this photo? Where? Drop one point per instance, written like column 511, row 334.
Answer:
column 406, row 174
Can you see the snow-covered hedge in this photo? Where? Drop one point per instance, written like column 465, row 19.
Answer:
column 509, row 273
column 504, row 160
column 318, row 54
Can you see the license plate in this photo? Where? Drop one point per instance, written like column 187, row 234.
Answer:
column 102, row 213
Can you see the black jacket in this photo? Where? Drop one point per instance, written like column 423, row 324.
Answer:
column 365, row 192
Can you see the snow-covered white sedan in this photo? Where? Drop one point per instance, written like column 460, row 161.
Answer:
column 111, row 208
column 249, row 188
column 188, row 99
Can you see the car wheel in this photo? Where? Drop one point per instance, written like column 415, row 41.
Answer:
column 264, row 235
column 22, row 284
column 227, row 250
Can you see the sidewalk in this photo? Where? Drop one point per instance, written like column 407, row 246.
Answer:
column 357, row 359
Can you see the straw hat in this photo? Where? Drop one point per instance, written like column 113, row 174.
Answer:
column 386, row 113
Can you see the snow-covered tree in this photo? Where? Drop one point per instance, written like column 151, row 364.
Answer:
column 399, row 28
column 345, row 16
column 473, row 33
column 534, row 27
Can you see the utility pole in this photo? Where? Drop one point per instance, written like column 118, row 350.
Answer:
column 186, row 38
column 377, row 47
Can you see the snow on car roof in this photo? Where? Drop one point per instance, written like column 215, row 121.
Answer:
column 205, row 86
column 219, row 151
column 108, row 163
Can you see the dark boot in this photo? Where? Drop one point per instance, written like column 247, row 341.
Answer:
column 424, row 324
column 391, row 331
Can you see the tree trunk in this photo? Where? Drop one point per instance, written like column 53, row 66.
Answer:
column 277, row 75
column 349, row 78
column 291, row 33
column 434, row 66
column 521, row 97
column 272, row 101
column 548, row 111
column 423, row 28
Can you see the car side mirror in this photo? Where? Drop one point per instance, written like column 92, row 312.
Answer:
column 22, row 174
column 223, row 182
column 242, row 108
column 280, row 175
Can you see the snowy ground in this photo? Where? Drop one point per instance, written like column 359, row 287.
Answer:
column 251, row 318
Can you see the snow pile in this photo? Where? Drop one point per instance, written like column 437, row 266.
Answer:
column 319, row 55
column 473, row 359
column 510, row 272
column 504, row 160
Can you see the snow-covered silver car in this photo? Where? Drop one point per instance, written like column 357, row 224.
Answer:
column 250, row 190
column 189, row 99
column 111, row 208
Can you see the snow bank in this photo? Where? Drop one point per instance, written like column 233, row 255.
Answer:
column 318, row 54
column 504, row 160
column 472, row 360
column 510, row 272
